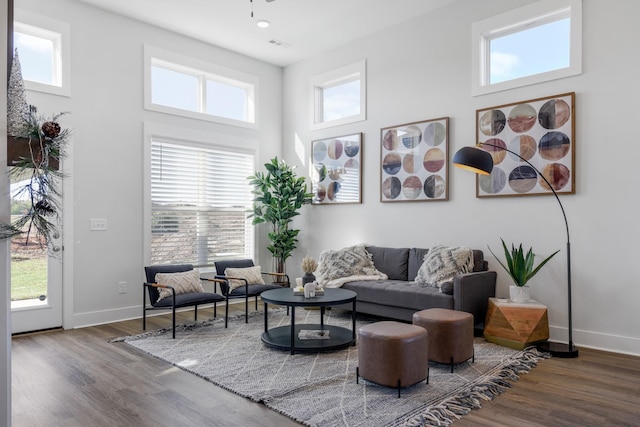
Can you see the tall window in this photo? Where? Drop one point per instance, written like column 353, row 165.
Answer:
column 339, row 96
column 43, row 49
column 191, row 88
column 532, row 44
column 200, row 199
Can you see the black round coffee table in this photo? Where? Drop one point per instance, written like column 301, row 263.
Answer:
column 286, row 337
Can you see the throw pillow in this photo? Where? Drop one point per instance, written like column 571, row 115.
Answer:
column 447, row 288
column 253, row 275
column 184, row 282
column 442, row 263
column 349, row 261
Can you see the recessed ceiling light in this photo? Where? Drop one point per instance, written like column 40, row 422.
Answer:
column 262, row 23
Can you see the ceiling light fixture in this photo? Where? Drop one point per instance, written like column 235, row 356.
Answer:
column 263, row 23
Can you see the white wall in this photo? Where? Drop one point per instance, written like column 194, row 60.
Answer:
column 421, row 70
column 105, row 165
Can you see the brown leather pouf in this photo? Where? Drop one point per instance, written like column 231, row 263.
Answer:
column 393, row 354
column 450, row 334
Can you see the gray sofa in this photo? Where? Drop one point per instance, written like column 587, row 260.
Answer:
column 399, row 297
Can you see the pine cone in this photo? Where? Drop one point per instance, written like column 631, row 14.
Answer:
column 44, row 208
column 51, row 129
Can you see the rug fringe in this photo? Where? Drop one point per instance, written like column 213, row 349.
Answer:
column 453, row 408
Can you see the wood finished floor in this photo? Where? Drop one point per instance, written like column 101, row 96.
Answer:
column 76, row 378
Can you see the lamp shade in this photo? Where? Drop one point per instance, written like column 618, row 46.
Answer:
column 473, row 159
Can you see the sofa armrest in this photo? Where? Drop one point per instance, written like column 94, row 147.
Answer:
column 471, row 293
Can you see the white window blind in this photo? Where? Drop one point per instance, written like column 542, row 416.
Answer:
column 200, row 199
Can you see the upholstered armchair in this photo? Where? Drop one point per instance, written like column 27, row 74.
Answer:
column 242, row 279
column 174, row 286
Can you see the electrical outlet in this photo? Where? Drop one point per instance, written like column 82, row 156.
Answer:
column 122, row 287
column 98, row 224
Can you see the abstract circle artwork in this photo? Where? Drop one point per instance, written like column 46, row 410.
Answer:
column 539, row 137
column 413, row 161
column 336, row 175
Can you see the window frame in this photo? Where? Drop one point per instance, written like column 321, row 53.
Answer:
column 511, row 22
column 60, row 34
column 170, row 134
column 205, row 71
column 333, row 78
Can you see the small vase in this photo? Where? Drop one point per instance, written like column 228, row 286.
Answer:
column 308, row 278
column 519, row 294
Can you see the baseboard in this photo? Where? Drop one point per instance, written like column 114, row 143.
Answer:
column 598, row 341
column 95, row 318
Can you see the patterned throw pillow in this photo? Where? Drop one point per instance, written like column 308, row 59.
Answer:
column 184, row 282
column 442, row 263
column 349, row 261
column 252, row 274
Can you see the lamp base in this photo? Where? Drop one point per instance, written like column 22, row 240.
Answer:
column 558, row 349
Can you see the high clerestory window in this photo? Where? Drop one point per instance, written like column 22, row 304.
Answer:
column 188, row 87
column 44, row 52
column 339, row 96
column 532, row 44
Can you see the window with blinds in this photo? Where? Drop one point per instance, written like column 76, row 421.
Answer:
column 200, row 199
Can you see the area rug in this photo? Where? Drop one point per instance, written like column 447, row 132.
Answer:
column 320, row 389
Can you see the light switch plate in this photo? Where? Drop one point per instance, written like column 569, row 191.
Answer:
column 98, row 224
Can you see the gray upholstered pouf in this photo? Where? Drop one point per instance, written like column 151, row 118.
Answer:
column 393, row 354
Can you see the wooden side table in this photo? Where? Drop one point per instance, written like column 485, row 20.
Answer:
column 516, row 325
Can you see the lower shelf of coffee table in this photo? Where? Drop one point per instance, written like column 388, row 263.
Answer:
column 280, row 338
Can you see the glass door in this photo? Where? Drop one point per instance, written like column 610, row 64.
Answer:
column 36, row 276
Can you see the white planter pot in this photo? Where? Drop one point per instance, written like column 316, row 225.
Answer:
column 519, row 293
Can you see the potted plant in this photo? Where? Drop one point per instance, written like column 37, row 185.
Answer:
column 520, row 268
column 308, row 265
column 279, row 195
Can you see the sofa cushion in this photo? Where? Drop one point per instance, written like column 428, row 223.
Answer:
column 394, row 262
column 443, row 263
column 416, row 257
column 253, row 276
column 182, row 282
column 399, row 293
column 349, row 261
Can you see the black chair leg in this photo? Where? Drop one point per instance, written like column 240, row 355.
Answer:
column 195, row 313
column 246, row 309
column 215, row 310
column 144, row 309
column 226, row 313
column 398, row 388
column 173, row 309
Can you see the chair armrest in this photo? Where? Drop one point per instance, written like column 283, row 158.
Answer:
column 159, row 285
column 285, row 275
column 216, row 282
column 224, row 283
column 471, row 293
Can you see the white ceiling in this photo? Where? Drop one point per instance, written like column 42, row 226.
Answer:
column 308, row 27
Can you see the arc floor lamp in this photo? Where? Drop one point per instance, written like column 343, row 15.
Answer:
column 479, row 161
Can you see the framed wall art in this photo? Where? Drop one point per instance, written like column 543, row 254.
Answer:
column 540, row 130
column 414, row 161
column 337, row 171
